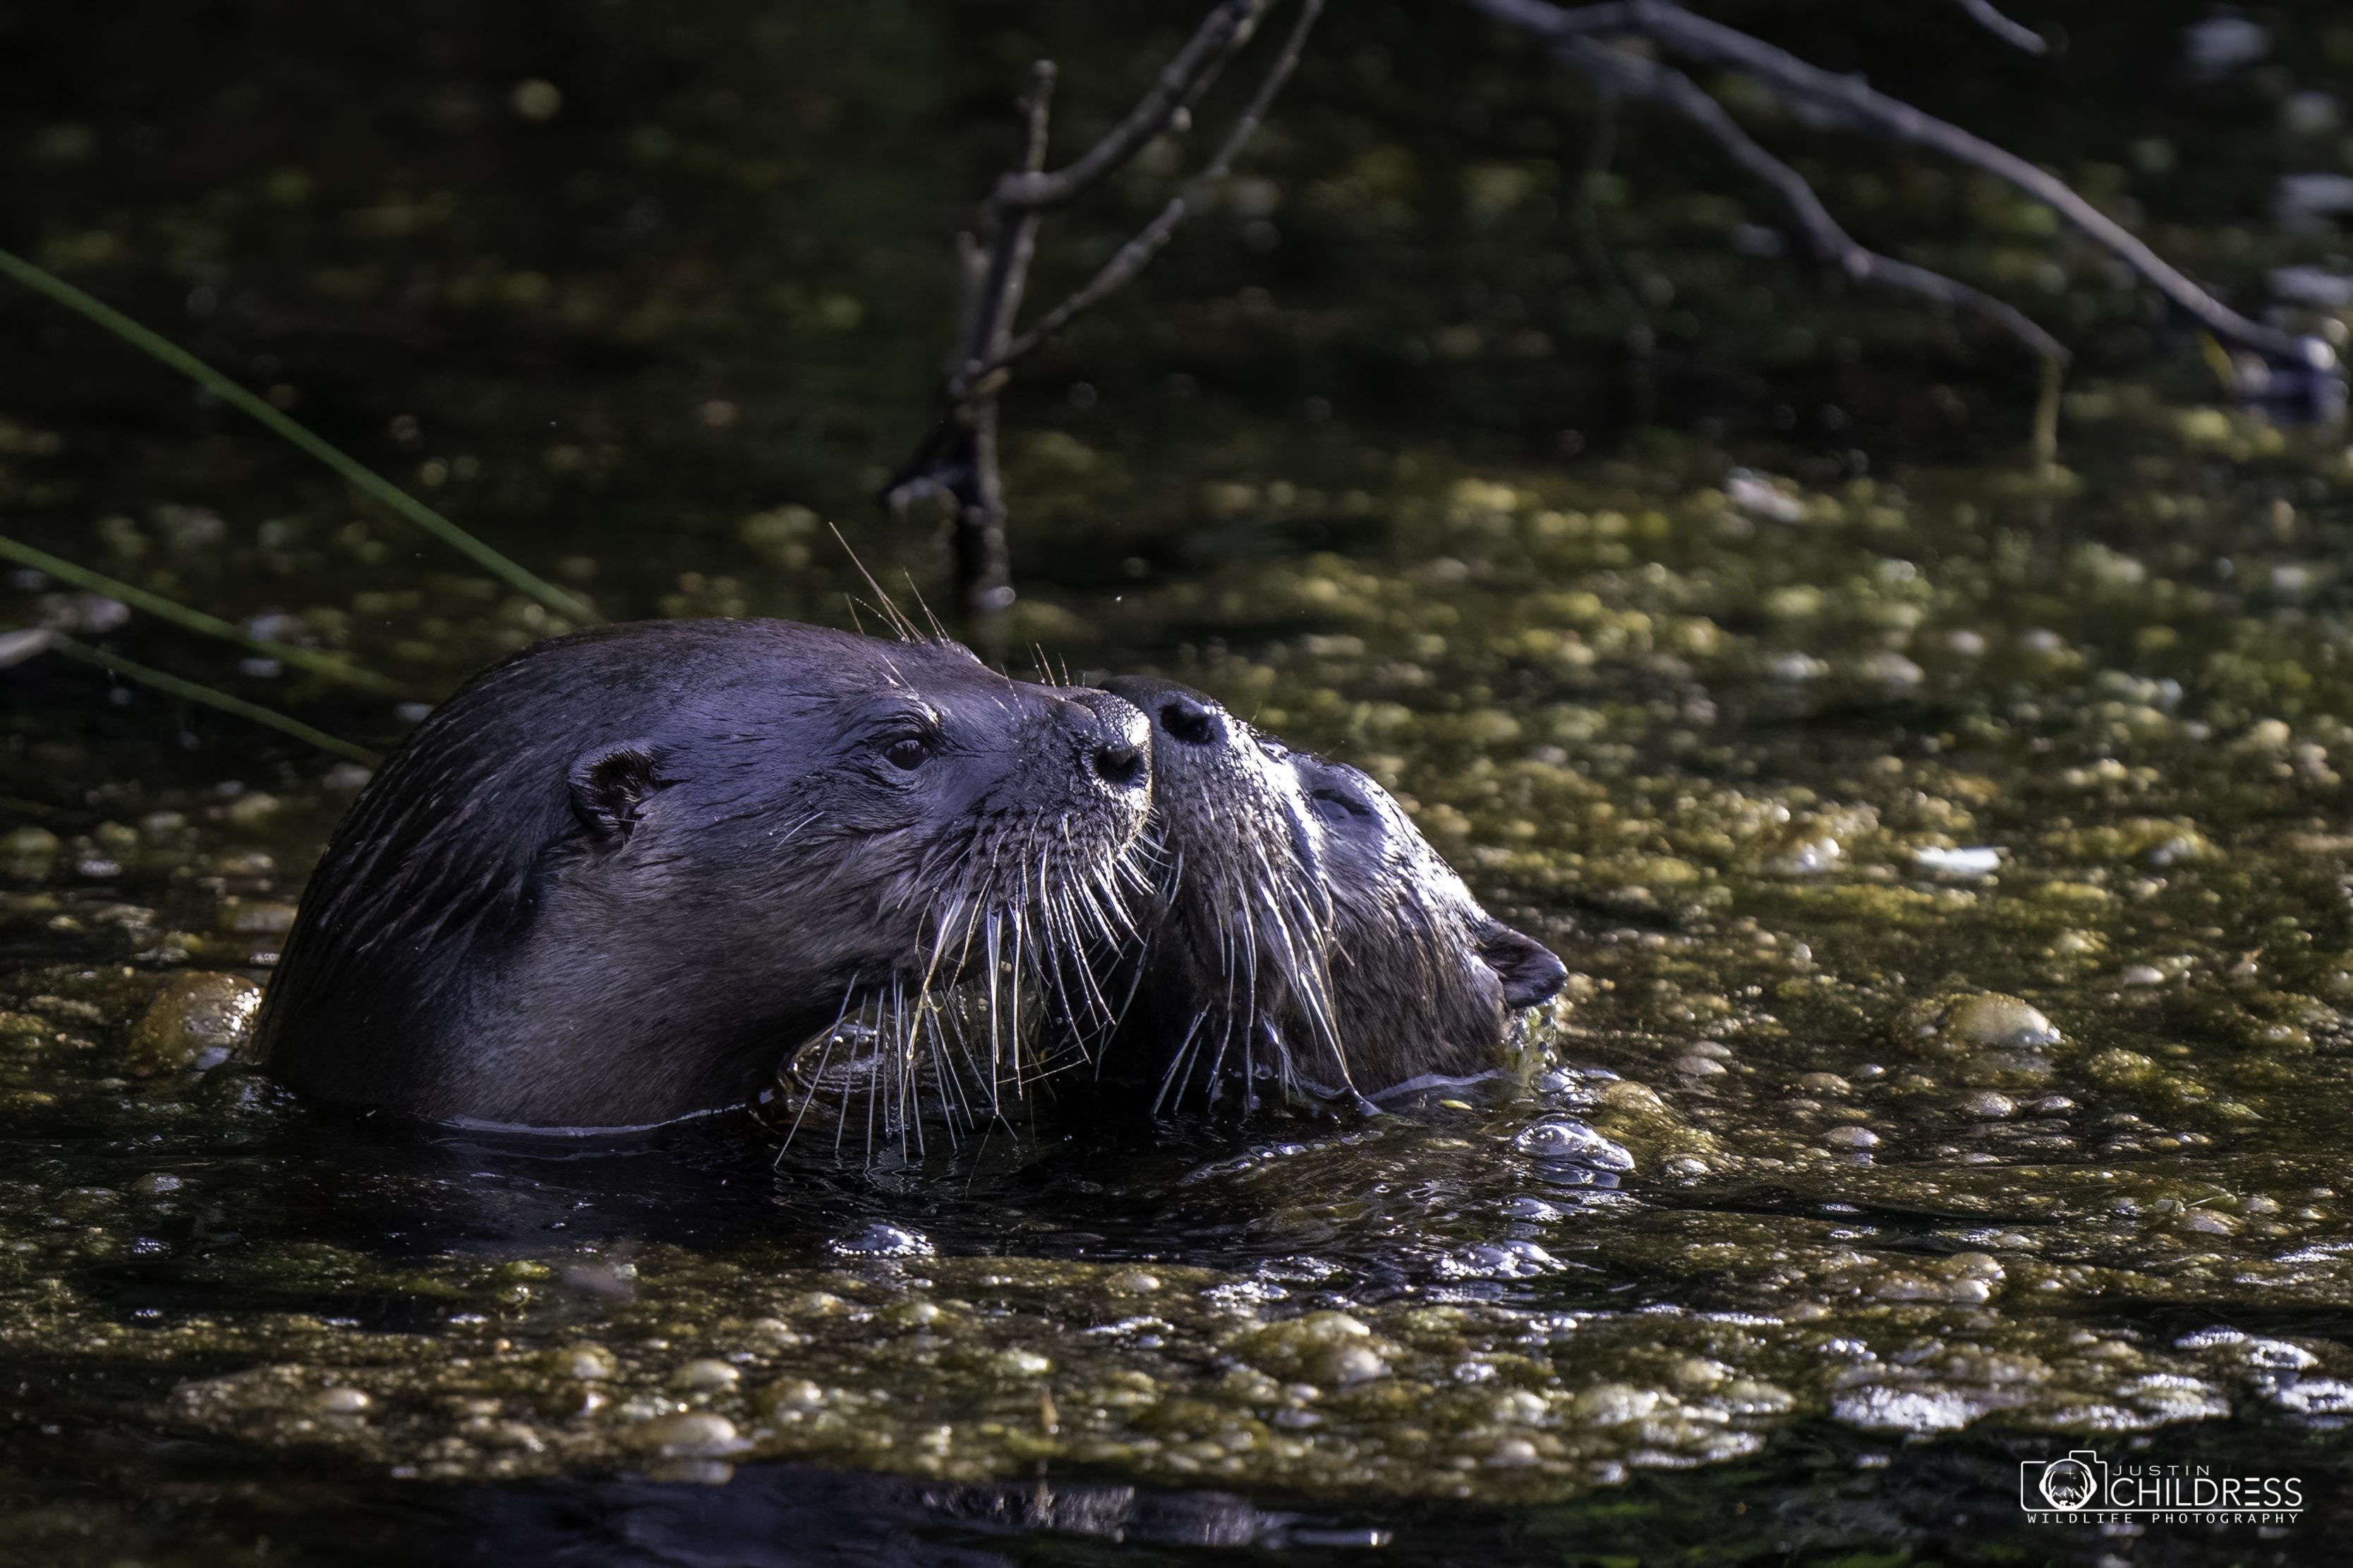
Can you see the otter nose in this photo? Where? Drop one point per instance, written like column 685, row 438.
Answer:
column 1186, row 720
column 1117, row 740
column 1119, row 764
column 1182, row 715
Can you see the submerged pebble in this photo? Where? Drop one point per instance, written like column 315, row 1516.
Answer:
column 1559, row 1140
column 883, row 1240
column 695, row 1434
column 197, row 1020
column 1809, row 828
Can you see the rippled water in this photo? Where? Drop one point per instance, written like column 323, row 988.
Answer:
column 1952, row 859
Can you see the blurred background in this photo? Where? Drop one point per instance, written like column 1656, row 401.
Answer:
column 1947, row 835
column 616, row 286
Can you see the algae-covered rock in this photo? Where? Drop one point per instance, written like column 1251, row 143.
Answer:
column 27, row 852
column 696, row 1435
column 198, row 1020
column 1977, row 1021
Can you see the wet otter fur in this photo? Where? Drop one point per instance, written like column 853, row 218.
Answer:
column 1304, row 934
column 614, row 879
column 1229, row 986
column 1423, row 980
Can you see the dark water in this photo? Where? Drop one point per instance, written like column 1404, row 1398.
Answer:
column 1952, row 855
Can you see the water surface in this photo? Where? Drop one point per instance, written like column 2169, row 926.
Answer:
column 1951, row 852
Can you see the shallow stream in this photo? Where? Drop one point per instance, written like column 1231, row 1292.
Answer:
column 1951, row 852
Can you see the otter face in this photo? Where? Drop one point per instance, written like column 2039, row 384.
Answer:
column 1422, row 978
column 1230, row 984
column 614, row 880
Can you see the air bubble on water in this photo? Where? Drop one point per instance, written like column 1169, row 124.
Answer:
column 1244, row 1293
column 2315, row 1396
column 1558, row 1140
column 1498, row 1260
column 884, row 1240
column 2278, row 1355
column 1560, row 1174
column 845, row 1060
column 1577, row 1087
column 1879, row 1408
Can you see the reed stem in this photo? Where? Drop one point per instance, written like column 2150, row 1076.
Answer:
column 317, row 663
column 351, row 470
column 173, row 686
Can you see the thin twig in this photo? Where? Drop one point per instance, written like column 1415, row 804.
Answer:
column 1601, row 151
column 1017, row 242
column 1221, row 32
column 1132, row 258
column 1664, row 84
column 2046, row 418
column 237, row 397
column 991, row 291
column 2017, row 36
column 137, row 598
column 189, row 690
column 958, row 458
column 1641, row 337
column 1859, row 105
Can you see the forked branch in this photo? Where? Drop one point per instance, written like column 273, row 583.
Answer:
column 1628, row 48
column 959, row 459
column 1853, row 102
column 1982, row 12
column 1132, row 258
column 1638, row 78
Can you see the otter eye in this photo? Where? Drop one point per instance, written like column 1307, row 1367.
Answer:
column 1334, row 807
column 908, row 755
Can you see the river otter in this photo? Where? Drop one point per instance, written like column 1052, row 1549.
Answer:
column 1303, row 931
column 1229, row 986
column 614, row 879
column 1422, row 979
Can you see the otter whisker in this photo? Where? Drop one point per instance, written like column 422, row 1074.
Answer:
column 817, row 1077
column 891, row 614
column 1175, row 1070
column 939, row 633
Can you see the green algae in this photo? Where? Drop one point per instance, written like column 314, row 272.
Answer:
column 1915, row 1143
column 1952, row 855
column 1916, row 1140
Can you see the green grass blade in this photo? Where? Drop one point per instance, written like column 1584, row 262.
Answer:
column 333, row 668
column 359, row 475
column 193, row 693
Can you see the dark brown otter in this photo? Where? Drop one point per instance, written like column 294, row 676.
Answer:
column 614, row 879
column 1228, row 989
column 1304, row 934
column 1422, row 979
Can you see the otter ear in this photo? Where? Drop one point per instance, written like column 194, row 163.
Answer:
column 1528, row 968
column 610, row 787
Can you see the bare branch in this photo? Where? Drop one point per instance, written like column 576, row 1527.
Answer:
column 1982, row 12
column 958, row 458
column 1220, row 36
column 1663, row 84
column 1132, row 258
column 1017, row 240
column 1860, row 106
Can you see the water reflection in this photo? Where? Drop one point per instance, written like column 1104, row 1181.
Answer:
column 1951, row 857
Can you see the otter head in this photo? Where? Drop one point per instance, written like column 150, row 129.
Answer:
column 614, row 880
column 1227, row 991
column 1422, row 979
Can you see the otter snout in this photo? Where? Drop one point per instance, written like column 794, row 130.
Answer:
column 1116, row 739
column 1177, row 712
